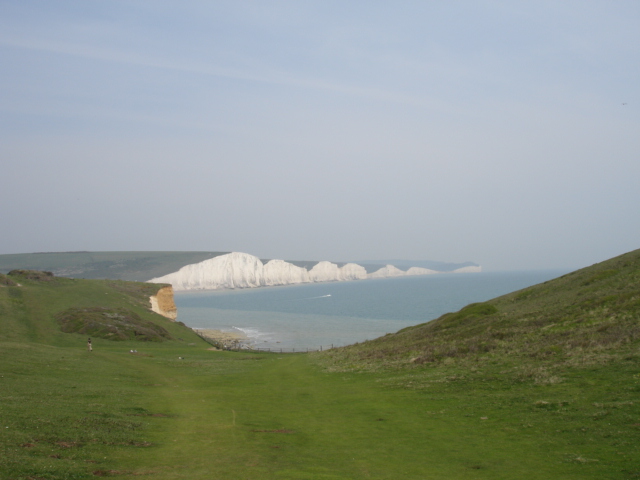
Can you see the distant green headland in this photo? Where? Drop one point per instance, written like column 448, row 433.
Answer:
column 134, row 266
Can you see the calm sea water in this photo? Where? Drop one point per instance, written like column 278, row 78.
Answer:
column 342, row 313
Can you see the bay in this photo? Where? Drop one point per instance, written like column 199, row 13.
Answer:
column 342, row 313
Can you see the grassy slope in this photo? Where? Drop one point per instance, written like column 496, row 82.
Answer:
column 585, row 317
column 559, row 361
column 490, row 414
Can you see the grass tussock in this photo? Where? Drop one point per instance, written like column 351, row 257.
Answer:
column 5, row 281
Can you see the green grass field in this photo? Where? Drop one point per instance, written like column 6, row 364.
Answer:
column 176, row 410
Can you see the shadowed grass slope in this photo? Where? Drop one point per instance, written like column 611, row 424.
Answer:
column 110, row 323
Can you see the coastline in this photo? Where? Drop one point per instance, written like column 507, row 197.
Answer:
column 224, row 339
column 301, row 316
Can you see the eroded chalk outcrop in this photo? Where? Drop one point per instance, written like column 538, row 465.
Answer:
column 163, row 303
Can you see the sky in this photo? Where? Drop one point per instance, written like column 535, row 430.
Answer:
column 498, row 132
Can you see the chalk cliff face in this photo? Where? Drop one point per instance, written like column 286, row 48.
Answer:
column 353, row 271
column 420, row 271
column 279, row 272
column 330, row 272
column 387, row 271
column 241, row 270
column 234, row 270
column 163, row 304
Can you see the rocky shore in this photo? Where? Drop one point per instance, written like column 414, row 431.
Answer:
column 223, row 339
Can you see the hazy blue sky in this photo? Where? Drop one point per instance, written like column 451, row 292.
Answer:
column 505, row 133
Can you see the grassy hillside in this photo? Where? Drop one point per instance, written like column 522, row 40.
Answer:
column 543, row 383
column 585, row 317
column 61, row 407
column 39, row 307
column 557, row 362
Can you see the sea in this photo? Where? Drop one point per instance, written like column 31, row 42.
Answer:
column 324, row 315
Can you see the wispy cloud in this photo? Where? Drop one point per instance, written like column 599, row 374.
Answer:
column 270, row 76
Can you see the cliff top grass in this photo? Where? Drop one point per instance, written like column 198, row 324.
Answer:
column 498, row 390
column 39, row 307
column 108, row 322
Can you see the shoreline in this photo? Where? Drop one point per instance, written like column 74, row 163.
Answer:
column 224, row 339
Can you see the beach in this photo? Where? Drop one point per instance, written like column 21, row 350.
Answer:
column 225, row 339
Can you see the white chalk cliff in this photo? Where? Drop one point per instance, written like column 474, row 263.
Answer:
column 421, row 271
column 330, row 272
column 241, row 270
column 387, row 271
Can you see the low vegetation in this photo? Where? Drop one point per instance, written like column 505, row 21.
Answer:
column 542, row 383
column 6, row 281
column 32, row 275
column 111, row 324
